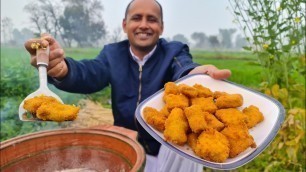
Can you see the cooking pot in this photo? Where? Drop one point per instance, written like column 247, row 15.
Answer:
column 103, row 148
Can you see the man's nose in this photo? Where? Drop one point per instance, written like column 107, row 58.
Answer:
column 143, row 23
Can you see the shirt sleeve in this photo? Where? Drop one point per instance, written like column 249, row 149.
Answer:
column 182, row 63
column 85, row 76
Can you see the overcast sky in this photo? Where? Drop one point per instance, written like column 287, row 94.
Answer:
column 180, row 16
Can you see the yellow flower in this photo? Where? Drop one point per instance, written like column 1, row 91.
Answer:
column 279, row 8
column 297, row 20
column 265, row 46
column 293, row 42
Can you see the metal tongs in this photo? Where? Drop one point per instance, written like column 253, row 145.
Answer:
column 42, row 55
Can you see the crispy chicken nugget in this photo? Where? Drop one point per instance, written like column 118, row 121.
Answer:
column 231, row 116
column 192, row 139
column 154, row 118
column 203, row 91
column 188, row 90
column 218, row 94
column 165, row 111
column 229, row 101
column 171, row 88
column 239, row 139
column 32, row 104
column 254, row 116
column 207, row 104
column 213, row 122
column 56, row 111
column 176, row 127
column 212, row 146
column 176, row 101
column 196, row 118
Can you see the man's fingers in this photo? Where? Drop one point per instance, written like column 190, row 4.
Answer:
column 57, row 53
column 53, row 63
column 33, row 60
column 51, row 41
column 59, row 70
column 29, row 45
column 220, row 74
column 212, row 71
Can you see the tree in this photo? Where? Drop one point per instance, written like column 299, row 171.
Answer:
column 20, row 37
column 7, row 27
column 200, row 39
column 226, row 37
column 213, row 41
column 116, row 35
column 82, row 22
column 181, row 38
column 44, row 14
column 240, row 42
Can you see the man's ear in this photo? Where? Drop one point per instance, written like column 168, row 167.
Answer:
column 162, row 28
column 124, row 25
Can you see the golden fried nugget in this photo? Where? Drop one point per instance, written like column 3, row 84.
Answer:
column 188, row 90
column 165, row 111
column 212, row 146
column 176, row 101
column 213, row 122
column 196, row 119
column 231, row 116
column 203, row 91
column 207, row 104
column 154, row 118
column 56, row 111
column 176, row 127
column 171, row 88
column 239, row 139
column 218, row 94
column 229, row 101
column 32, row 104
column 254, row 116
column 192, row 139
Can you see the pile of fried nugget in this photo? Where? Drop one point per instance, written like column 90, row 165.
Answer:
column 209, row 122
column 47, row 108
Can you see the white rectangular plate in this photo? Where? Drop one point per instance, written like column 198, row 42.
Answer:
column 263, row 133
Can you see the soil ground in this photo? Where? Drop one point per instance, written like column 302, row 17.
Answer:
column 92, row 114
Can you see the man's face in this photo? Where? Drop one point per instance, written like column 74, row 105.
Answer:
column 143, row 24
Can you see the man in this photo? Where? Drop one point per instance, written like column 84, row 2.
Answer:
column 135, row 68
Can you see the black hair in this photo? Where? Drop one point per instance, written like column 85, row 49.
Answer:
column 128, row 6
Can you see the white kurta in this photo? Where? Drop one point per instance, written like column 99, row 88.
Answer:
column 169, row 161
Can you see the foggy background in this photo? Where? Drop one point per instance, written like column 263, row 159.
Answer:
column 93, row 23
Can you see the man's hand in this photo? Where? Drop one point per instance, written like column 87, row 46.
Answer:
column 57, row 67
column 212, row 71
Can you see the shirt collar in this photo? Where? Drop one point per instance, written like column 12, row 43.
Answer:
column 145, row 58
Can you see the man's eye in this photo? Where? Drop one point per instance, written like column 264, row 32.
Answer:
column 135, row 18
column 152, row 19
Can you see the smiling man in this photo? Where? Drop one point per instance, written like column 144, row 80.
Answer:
column 143, row 24
column 135, row 69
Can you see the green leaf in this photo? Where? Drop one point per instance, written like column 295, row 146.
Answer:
column 247, row 48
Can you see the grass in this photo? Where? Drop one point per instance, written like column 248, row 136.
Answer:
column 243, row 65
column 81, row 53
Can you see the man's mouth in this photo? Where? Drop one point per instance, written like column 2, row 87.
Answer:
column 143, row 36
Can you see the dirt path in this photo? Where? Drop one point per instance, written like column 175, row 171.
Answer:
column 92, row 114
